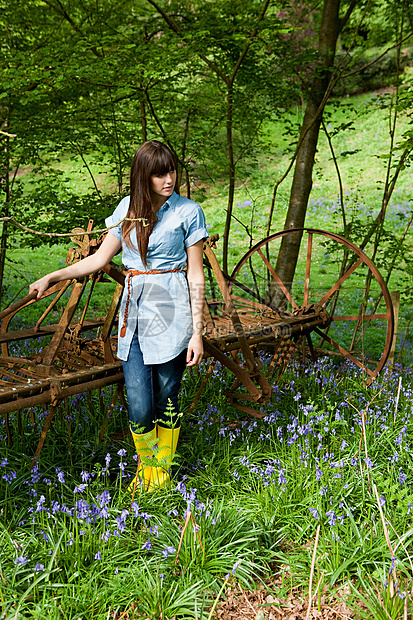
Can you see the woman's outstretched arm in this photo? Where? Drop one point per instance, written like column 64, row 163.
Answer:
column 85, row 267
column 196, row 281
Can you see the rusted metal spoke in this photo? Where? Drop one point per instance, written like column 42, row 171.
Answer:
column 244, row 288
column 308, row 268
column 344, row 352
column 277, row 279
column 366, row 317
column 311, row 347
column 340, row 281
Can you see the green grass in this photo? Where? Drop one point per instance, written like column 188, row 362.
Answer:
column 72, row 540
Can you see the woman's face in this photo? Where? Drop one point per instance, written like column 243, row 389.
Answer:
column 162, row 186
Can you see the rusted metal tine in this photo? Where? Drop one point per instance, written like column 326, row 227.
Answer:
column 69, row 436
column 44, row 330
column 254, row 305
column 340, row 281
column 45, row 430
column 249, row 358
column 243, row 375
column 308, row 268
column 65, row 285
column 291, row 348
column 86, row 306
column 11, row 375
column 208, row 320
column 8, row 433
column 202, row 386
column 275, row 358
column 50, row 351
column 119, row 389
column 109, row 321
column 277, row 279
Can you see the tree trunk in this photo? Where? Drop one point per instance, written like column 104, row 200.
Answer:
column 4, row 180
column 231, row 178
column 302, row 180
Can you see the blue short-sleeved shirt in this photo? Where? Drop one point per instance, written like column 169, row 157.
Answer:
column 159, row 305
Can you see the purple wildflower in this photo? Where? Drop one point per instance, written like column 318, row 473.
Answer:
column 314, row 512
column 21, row 559
column 147, row 546
column 39, row 567
column 167, row 551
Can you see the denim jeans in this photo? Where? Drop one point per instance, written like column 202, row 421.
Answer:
column 150, row 387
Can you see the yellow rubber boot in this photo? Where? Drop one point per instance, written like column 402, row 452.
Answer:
column 144, row 445
column 167, row 442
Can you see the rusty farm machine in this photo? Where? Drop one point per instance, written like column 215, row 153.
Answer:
column 337, row 305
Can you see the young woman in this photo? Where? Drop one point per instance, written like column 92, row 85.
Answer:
column 160, row 320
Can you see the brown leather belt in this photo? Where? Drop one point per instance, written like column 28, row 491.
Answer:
column 134, row 272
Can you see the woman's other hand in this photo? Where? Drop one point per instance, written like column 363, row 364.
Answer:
column 195, row 351
column 40, row 286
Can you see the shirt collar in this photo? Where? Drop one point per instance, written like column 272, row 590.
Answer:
column 169, row 203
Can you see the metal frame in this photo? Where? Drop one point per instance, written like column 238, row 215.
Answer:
column 236, row 327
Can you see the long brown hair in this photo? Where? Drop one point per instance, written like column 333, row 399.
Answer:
column 152, row 157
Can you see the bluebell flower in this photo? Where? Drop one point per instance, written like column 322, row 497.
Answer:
column 122, row 452
column 104, row 498
column 80, row 488
column 85, row 475
column 332, row 517
column 167, row 551
column 39, row 567
column 60, row 475
column 21, row 559
column 173, row 512
column 10, row 476
column 314, row 512
column 147, row 545
column 4, row 462
column 98, row 556
column 39, row 506
column 402, row 477
column 108, row 459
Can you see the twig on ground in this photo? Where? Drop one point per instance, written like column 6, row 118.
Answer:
column 310, row 585
column 397, row 398
column 387, row 537
column 246, row 599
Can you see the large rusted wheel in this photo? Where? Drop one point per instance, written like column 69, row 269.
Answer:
column 332, row 276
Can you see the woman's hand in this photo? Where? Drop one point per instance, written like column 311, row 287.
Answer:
column 195, row 351
column 40, row 286
column 110, row 246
